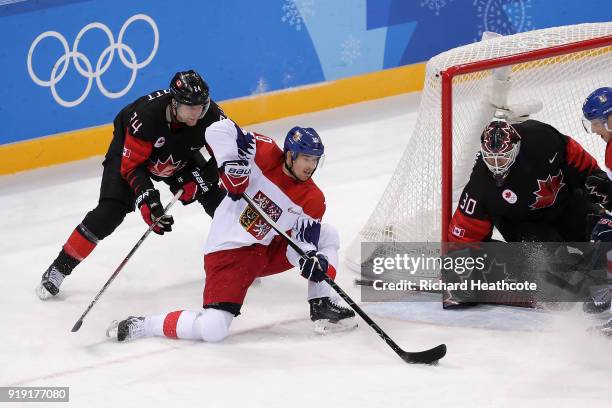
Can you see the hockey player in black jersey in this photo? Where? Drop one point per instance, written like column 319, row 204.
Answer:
column 529, row 182
column 157, row 137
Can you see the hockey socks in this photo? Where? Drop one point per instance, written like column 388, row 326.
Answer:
column 318, row 289
column 79, row 245
column 210, row 325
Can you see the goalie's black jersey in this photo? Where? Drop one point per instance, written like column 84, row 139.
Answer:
column 548, row 169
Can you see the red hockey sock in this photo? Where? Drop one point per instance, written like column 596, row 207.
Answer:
column 170, row 323
column 78, row 246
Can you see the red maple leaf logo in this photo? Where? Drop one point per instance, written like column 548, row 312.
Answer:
column 165, row 168
column 548, row 190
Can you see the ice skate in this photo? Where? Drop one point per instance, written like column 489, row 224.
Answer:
column 50, row 283
column 604, row 329
column 126, row 330
column 329, row 317
column 599, row 301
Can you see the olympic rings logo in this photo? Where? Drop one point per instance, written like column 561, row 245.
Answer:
column 102, row 64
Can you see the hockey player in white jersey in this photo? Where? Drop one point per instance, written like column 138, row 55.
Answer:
column 241, row 246
column 597, row 117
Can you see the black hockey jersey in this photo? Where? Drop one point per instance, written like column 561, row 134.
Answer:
column 152, row 147
column 538, row 187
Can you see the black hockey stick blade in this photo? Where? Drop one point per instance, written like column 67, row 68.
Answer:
column 430, row 356
column 77, row 325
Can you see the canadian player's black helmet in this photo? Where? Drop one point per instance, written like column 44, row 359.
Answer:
column 500, row 143
column 189, row 88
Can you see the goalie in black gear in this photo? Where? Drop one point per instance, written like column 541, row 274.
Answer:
column 529, row 182
column 533, row 184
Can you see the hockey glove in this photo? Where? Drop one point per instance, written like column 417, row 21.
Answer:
column 603, row 229
column 192, row 183
column 314, row 268
column 234, row 177
column 152, row 211
column 599, row 189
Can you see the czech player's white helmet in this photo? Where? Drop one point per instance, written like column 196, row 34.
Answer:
column 500, row 143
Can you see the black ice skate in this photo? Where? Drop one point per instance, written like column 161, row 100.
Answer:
column 604, row 329
column 599, row 301
column 129, row 329
column 329, row 317
column 50, row 283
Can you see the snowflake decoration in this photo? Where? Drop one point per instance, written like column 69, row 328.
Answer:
column 350, row 50
column 262, row 86
column 435, row 5
column 503, row 16
column 297, row 12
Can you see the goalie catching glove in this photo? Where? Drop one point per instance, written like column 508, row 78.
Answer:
column 314, row 267
column 234, row 177
column 153, row 212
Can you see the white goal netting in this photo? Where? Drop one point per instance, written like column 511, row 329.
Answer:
column 410, row 208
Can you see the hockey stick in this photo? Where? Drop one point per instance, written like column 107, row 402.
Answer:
column 79, row 322
column 430, row 356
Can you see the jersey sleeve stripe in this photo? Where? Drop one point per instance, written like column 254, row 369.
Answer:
column 578, row 157
column 464, row 228
column 135, row 153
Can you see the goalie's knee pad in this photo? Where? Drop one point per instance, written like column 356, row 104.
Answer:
column 213, row 324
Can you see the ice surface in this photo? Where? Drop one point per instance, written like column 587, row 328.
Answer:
column 498, row 357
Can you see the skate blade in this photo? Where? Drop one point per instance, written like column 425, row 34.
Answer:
column 324, row 326
column 111, row 331
column 42, row 292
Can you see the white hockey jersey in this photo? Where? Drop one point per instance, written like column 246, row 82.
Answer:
column 297, row 207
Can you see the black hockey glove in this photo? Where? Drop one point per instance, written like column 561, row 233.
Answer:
column 603, row 229
column 599, row 189
column 192, row 183
column 314, row 268
column 152, row 209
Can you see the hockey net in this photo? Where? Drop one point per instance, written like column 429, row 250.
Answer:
column 556, row 67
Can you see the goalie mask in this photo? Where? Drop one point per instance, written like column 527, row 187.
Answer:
column 499, row 145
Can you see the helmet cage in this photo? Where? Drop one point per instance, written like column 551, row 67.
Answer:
column 499, row 147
